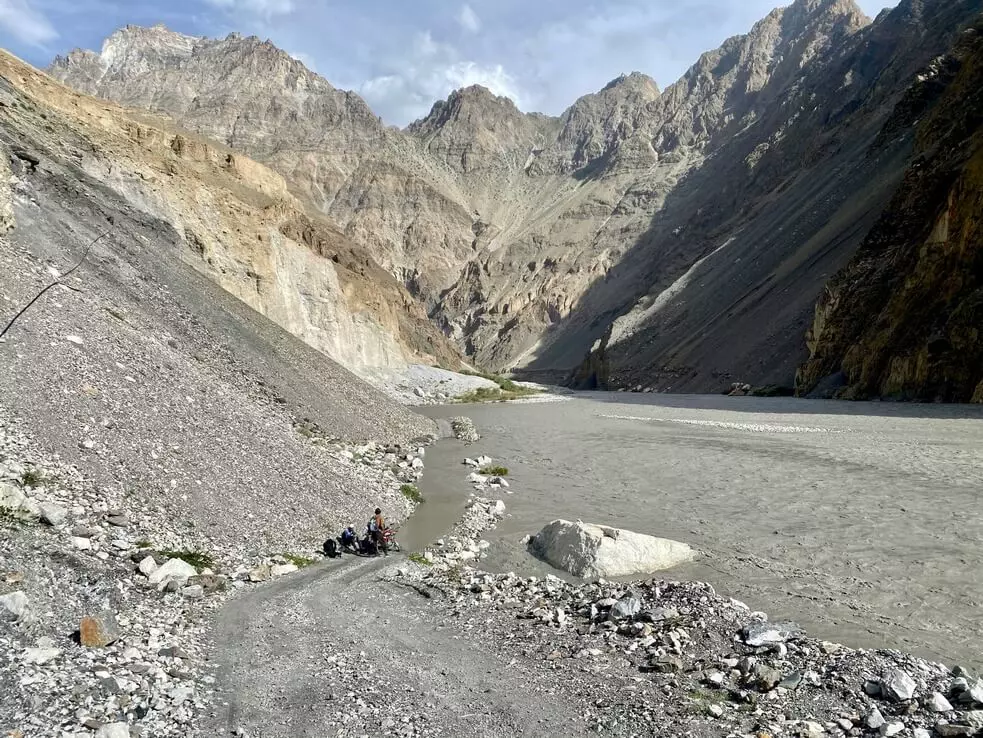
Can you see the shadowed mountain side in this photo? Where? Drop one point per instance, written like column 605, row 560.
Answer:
column 772, row 221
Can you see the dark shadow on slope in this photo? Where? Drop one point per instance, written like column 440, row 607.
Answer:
column 795, row 217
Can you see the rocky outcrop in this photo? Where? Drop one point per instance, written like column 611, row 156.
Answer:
column 592, row 551
column 903, row 318
column 695, row 226
column 241, row 227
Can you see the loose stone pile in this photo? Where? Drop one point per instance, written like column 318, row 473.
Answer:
column 465, row 430
column 704, row 664
column 105, row 599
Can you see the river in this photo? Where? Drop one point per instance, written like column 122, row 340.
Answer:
column 861, row 522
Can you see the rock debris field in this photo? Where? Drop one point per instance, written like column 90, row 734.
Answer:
column 104, row 635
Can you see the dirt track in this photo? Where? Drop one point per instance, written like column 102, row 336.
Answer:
column 337, row 650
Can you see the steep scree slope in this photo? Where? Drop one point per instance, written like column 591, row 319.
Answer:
column 150, row 377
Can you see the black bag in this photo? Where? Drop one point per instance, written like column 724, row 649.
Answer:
column 331, row 548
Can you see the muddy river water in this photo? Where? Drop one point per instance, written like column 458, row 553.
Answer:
column 862, row 522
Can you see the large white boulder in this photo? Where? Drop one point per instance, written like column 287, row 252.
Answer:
column 591, row 551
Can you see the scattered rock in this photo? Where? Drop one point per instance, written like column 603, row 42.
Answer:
column 98, row 631
column 53, row 514
column 114, row 730
column 938, row 703
column 768, row 634
column 147, row 566
column 897, row 686
column 175, row 570
column 14, row 606
column 625, row 608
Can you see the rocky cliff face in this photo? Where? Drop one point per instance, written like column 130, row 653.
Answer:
column 241, row 226
column 905, row 317
column 682, row 235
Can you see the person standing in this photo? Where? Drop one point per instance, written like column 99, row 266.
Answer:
column 378, row 533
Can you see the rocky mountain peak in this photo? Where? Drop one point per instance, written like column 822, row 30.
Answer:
column 636, row 81
column 472, row 106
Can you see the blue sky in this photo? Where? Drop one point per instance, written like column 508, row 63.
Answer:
column 401, row 55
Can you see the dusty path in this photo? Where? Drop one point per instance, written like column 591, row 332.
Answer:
column 337, row 650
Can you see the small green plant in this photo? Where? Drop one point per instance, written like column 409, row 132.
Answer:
column 11, row 518
column 495, row 471
column 418, row 558
column 198, row 559
column 412, row 493
column 506, row 390
column 143, row 543
column 31, row 478
column 299, row 561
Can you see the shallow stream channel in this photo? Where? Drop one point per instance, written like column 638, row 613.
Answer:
column 861, row 522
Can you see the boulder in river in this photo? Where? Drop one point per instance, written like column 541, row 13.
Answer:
column 590, row 551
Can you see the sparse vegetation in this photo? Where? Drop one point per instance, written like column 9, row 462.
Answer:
column 494, row 471
column 11, row 518
column 496, row 394
column 32, row 478
column 418, row 558
column 143, row 543
column 412, row 493
column 198, row 559
column 299, row 561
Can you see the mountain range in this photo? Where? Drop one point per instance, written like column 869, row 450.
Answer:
column 674, row 239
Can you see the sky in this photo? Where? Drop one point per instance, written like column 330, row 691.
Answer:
column 402, row 55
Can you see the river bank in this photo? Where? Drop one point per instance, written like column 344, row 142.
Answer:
column 438, row 647
column 858, row 521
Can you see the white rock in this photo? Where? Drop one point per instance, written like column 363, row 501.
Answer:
column 194, row 592
column 497, row 508
column 897, row 685
column 889, row 729
column 172, row 569
column 938, row 703
column 41, row 655
column 82, row 544
column 417, row 463
column 53, row 514
column 592, row 551
column 114, row 730
column 11, row 496
column 147, row 566
column 14, row 606
column 282, row 569
column 921, row 733
column 484, row 460
column 77, row 340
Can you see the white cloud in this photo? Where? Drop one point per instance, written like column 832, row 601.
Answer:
column 306, row 59
column 468, row 19
column 430, row 71
column 25, row 23
column 262, row 8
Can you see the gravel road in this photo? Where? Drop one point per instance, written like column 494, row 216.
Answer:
column 344, row 649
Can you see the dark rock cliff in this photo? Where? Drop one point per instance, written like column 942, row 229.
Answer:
column 905, row 318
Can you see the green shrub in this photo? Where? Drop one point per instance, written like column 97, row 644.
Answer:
column 412, row 493
column 31, row 478
column 418, row 558
column 299, row 561
column 495, row 471
column 198, row 559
